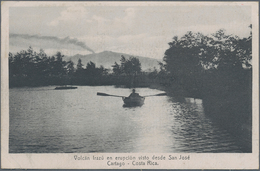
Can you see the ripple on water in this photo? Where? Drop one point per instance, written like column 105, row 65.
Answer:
column 46, row 121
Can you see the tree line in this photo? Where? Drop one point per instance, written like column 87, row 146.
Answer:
column 218, row 69
column 30, row 68
column 193, row 64
column 196, row 62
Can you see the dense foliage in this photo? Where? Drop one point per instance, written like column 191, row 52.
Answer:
column 131, row 66
column 195, row 60
column 217, row 69
column 29, row 68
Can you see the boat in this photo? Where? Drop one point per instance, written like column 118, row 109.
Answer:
column 65, row 88
column 133, row 101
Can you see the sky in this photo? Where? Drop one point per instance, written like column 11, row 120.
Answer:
column 136, row 30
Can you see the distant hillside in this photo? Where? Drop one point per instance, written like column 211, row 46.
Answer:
column 108, row 58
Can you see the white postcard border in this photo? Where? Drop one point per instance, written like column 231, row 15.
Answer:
column 68, row 161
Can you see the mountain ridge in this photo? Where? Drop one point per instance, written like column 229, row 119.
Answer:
column 108, row 58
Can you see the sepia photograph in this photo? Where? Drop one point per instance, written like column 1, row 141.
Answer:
column 129, row 85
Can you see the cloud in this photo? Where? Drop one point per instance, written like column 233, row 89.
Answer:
column 128, row 19
column 240, row 29
column 99, row 19
column 49, row 42
column 135, row 30
column 130, row 15
column 77, row 19
column 71, row 14
column 136, row 45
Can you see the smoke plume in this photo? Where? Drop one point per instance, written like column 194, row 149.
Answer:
column 61, row 41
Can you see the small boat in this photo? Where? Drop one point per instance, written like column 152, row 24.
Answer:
column 133, row 101
column 65, row 88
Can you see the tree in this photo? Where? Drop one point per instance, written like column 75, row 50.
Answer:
column 134, row 66
column 182, row 59
column 192, row 56
column 79, row 65
column 91, row 68
column 117, row 69
column 131, row 66
column 80, row 69
column 102, row 71
column 59, row 68
column 70, row 68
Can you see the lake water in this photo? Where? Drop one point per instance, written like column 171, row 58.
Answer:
column 44, row 120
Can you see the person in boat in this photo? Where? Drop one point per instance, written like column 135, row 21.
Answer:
column 134, row 94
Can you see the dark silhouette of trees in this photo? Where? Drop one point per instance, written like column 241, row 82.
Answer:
column 128, row 71
column 59, row 65
column 131, row 66
column 192, row 58
column 79, row 65
column 29, row 68
column 183, row 61
column 79, row 70
column 70, row 68
column 117, row 69
column 216, row 68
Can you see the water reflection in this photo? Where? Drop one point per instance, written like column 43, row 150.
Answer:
column 43, row 120
column 195, row 132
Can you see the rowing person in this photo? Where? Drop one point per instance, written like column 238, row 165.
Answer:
column 134, row 94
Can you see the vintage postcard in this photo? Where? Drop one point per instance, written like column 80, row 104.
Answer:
column 129, row 85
